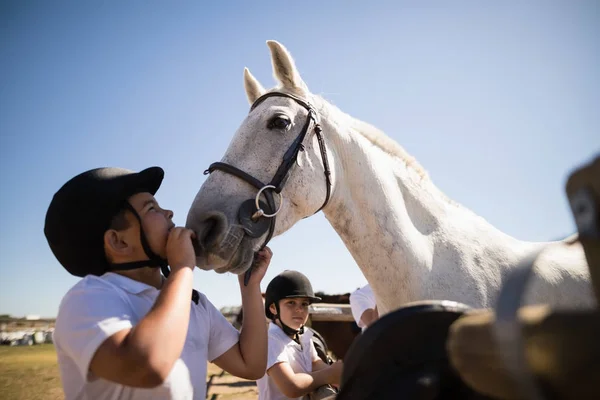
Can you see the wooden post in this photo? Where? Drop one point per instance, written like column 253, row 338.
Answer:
column 561, row 348
column 331, row 312
column 583, row 191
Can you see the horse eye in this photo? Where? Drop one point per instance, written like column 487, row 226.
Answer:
column 279, row 122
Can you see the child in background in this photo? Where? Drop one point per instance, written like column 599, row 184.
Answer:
column 293, row 367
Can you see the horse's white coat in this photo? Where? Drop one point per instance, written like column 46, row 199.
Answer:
column 410, row 241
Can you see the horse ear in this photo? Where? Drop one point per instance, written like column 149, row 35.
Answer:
column 284, row 68
column 253, row 87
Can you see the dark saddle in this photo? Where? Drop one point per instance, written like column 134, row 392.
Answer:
column 320, row 346
column 403, row 356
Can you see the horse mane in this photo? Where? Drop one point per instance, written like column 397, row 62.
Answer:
column 378, row 138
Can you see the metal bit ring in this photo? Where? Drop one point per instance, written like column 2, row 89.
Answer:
column 259, row 211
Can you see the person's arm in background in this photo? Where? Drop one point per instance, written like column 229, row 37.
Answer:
column 369, row 316
column 364, row 307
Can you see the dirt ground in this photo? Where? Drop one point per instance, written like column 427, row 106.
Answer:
column 222, row 386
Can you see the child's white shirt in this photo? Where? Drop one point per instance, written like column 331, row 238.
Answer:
column 99, row 306
column 284, row 349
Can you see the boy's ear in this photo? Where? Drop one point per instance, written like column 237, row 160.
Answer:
column 115, row 244
column 273, row 309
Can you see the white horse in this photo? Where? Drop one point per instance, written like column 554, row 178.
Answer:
column 410, row 241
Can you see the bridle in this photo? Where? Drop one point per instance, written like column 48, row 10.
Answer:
column 255, row 216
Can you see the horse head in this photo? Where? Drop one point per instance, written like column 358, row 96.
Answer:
column 274, row 172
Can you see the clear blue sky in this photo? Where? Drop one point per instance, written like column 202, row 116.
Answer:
column 498, row 101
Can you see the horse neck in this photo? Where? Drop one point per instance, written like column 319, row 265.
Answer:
column 397, row 225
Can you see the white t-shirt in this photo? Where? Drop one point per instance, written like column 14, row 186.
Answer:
column 284, row 349
column 98, row 307
column 360, row 300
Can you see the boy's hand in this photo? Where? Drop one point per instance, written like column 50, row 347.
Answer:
column 336, row 372
column 262, row 259
column 180, row 250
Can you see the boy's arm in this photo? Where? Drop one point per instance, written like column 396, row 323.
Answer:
column 294, row 384
column 318, row 365
column 144, row 355
column 248, row 358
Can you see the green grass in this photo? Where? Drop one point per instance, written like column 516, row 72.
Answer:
column 29, row 372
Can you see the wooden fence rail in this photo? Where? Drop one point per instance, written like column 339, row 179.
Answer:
column 331, row 312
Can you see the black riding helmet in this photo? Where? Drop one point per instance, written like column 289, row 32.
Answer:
column 82, row 210
column 288, row 284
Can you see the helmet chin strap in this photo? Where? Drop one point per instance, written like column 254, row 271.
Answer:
column 286, row 329
column 154, row 260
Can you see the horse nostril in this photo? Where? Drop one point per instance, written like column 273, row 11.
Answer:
column 207, row 231
column 198, row 249
column 212, row 228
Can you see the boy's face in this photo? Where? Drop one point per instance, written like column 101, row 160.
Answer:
column 157, row 222
column 294, row 312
